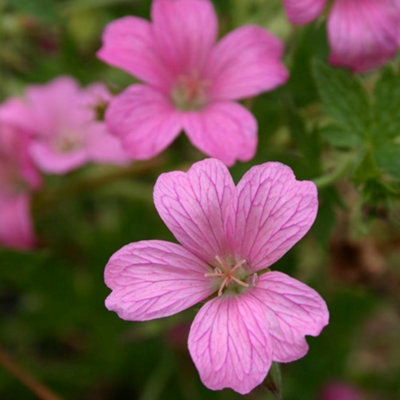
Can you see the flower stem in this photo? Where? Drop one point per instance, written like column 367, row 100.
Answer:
column 40, row 390
column 327, row 180
column 273, row 382
column 85, row 184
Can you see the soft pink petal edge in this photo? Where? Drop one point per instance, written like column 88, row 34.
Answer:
column 144, row 120
column 230, row 345
column 273, row 212
column 303, row 11
column 245, row 63
column 195, row 206
column 363, row 35
column 293, row 311
column 224, row 130
column 179, row 27
column 153, row 279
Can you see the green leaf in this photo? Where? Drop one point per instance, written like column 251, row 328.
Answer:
column 366, row 169
column 388, row 158
column 387, row 106
column 338, row 137
column 344, row 98
column 43, row 9
column 308, row 141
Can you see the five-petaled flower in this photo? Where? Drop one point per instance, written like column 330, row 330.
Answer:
column 62, row 117
column 230, row 236
column 363, row 34
column 18, row 177
column 191, row 82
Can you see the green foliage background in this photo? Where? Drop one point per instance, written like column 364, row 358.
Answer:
column 328, row 125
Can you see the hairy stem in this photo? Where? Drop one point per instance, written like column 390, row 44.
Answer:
column 36, row 387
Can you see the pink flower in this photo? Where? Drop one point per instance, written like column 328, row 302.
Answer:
column 230, row 237
column 191, row 82
column 18, row 177
column 363, row 34
column 67, row 135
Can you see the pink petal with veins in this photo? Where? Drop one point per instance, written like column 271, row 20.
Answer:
column 303, row 11
column 293, row 311
column 129, row 44
column 185, row 31
column 224, row 130
column 273, row 212
column 245, row 63
column 144, row 120
column 154, row 279
column 230, row 345
column 195, row 205
column 363, row 34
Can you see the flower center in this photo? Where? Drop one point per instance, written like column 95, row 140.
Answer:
column 231, row 275
column 190, row 92
column 67, row 143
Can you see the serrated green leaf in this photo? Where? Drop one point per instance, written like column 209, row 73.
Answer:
column 338, row 137
column 387, row 106
column 388, row 158
column 344, row 98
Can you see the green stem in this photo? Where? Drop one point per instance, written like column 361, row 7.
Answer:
column 327, row 180
column 39, row 389
column 273, row 382
column 86, row 184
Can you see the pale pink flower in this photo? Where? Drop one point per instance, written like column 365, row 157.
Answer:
column 230, row 236
column 18, row 177
column 62, row 117
column 191, row 82
column 363, row 34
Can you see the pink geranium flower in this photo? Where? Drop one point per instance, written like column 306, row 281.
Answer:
column 230, row 236
column 62, row 117
column 18, row 177
column 363, row 34
column 191, row 82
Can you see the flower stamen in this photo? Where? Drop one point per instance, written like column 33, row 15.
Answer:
column 228, row 274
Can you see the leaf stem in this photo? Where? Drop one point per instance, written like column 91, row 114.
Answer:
column 328, row 179
column 36, row 387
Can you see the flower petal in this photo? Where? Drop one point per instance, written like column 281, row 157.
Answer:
column 103, row 147
column 229, row 343
column 54, row 162
column 195, row 205
column 15, row 222
column 273, row 212
column 303, row 11
column 154, row 279
column 224, row 130
column 144, row 120
column 363, row 34
column 245, row 63
column 129, row 44
column 293, row 310
column 186, row 31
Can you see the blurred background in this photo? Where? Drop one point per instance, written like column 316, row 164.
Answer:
column 54, row 328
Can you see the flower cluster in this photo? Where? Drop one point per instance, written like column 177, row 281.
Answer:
column 52, row 129
column 230, row 235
